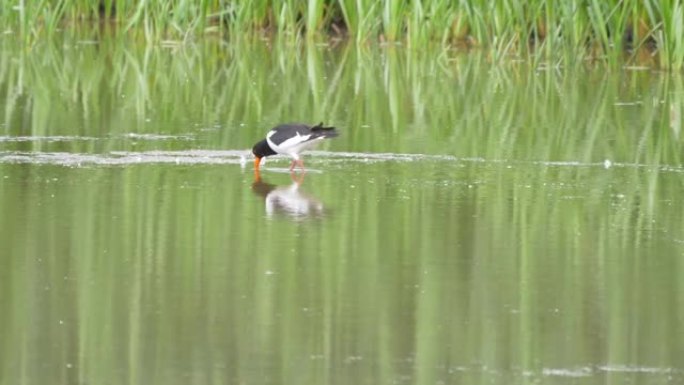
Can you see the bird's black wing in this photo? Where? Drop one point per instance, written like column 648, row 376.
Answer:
column 283, row 132
column 326, row 132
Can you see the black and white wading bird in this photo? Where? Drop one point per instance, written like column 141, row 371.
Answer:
column 291, row 139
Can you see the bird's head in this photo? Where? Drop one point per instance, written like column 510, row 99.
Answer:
column 260, row 150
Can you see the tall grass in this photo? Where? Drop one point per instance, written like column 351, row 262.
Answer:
column 592, row 29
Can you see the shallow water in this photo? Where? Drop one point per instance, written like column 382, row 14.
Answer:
column 474, row 223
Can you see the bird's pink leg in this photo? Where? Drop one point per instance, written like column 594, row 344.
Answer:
column 297, row 179
column 297, row 162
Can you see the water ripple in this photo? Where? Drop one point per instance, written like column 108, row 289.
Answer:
column 189, row 157
column 69, row 138
column 125, row 158
column 45, row 138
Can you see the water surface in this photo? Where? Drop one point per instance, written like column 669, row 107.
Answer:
column 475, row 222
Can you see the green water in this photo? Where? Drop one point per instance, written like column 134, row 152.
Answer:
column 475, row 222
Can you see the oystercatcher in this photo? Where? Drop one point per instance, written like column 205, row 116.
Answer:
column 291, row 139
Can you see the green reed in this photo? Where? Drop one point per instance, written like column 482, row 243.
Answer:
column 565, row 31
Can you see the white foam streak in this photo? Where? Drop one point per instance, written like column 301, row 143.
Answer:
column 45, row 138
column 240, row 157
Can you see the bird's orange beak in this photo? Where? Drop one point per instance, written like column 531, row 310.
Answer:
column 257, row 175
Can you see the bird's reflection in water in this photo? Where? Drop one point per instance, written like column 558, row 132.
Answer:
column 288, row 201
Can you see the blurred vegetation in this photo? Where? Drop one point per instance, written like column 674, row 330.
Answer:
column 649, row 31
column 387, row 99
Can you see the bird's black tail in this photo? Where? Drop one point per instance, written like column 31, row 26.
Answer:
column 328, row 132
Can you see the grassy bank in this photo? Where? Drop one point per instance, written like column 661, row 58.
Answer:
column 591, row 29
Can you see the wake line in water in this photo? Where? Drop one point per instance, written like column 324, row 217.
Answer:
column 120, row 158
column 587, row 371
column 242, row 157
column 66, row 138
column 46, row 138
column 189, row 157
